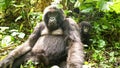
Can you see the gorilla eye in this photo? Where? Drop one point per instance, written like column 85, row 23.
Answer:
column 52, row 18
column 52, row 14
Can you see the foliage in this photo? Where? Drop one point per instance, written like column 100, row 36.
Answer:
column 104, row 15
column 29, row 64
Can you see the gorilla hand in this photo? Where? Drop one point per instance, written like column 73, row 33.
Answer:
column 7, row 62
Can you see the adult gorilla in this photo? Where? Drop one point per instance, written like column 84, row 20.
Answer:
column 50, row 42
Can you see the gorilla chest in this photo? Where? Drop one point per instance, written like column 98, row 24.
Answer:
column 52, row 47
column 49, row 41
column 51, row 44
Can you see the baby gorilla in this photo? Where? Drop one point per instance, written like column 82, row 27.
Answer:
column 85, row 28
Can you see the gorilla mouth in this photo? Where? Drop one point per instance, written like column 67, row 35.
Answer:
column 53, row 26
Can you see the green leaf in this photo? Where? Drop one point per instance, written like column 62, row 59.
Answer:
column 104, row 27
column 88, row 1
column 21, row 66
column 116, row 7
column 111, row 54
column 100, row 4
column 59, row 6
column 21, row 26
column 21, row 35
column 106, row 5
column 4, row 4
column 7, row 40
column 116, row 0
column 20, row 6
column 14, row 33
column 77, row 4
column 101, row 43
column 72, row 1
column 1, row 4
column 87, row 10
column 18, row 18
column 1, row 36
column 2, row 29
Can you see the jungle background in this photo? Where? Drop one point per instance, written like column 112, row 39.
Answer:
column 18, row 18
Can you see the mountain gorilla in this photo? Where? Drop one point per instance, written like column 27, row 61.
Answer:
column 85, row 28
column 54, row 40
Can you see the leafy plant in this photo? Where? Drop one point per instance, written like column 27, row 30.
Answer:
column 104, row 15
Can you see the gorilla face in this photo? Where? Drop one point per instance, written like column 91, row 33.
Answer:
column 53, row 18
column 52, row 21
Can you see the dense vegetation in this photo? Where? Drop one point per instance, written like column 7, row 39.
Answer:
column 18, row 17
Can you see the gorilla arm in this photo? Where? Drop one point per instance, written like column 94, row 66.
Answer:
column 75, row 57
column 27, row 45
column 24, row 48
